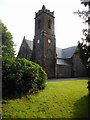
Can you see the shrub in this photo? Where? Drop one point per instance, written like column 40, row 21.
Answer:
column 89, row 86
column 20, row 76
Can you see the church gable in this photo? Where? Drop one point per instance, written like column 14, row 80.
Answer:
column 26, row 49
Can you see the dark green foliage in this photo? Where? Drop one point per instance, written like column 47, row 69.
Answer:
column 85, row 56
column 7, row 43
column 84, row 50
column 20, row 76
column 84, row 46
column 89, row 86
column 84, row 53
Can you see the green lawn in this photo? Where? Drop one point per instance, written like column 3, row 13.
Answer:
column 65, row 99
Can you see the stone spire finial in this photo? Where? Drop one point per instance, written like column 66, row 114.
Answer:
column 24, row 38
column 43, row 7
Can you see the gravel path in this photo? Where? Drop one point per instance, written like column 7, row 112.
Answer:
column 65, row 79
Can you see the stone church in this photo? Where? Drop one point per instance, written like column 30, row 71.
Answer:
column 55, row 61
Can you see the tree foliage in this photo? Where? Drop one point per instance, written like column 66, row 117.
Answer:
column 84, row 46
column 7, row 43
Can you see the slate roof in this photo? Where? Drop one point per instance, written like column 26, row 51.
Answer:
column 30, row 43
column 62, row 54
column 65, row 53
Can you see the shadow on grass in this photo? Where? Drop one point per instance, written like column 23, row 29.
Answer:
column 81, row 108
column 20, row 95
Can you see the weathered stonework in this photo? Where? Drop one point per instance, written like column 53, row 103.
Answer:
column 42, row 50
column 44, row 44
column 78, row 68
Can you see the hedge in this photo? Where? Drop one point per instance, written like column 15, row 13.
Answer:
column 20, row 76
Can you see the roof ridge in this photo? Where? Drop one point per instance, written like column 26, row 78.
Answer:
column 69, row 47
column 66, row 47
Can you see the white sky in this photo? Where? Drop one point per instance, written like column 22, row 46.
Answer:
column 18, row 16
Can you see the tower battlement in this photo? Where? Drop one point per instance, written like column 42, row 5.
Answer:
column 45, row 11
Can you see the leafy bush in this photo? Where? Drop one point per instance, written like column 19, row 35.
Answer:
column 20, row 76
column 89, row 86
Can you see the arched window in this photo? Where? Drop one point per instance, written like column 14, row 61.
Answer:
column 49, row 41
column 38, row 41
column 49, row 24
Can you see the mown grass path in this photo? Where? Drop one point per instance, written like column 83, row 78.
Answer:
column 66, row 99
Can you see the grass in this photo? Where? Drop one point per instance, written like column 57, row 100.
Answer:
column 65, row 99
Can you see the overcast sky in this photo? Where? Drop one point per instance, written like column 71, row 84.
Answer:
column 18, row 16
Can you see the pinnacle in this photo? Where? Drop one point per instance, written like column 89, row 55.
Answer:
column 43, row 7
column 24, row 38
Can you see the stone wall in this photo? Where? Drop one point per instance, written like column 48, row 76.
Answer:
column 63, row 71
column 78, row 67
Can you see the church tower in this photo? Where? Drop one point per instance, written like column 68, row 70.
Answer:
column 44, row 43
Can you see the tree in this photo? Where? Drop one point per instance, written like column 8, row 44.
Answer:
column 7, row 43
column 84, row 46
